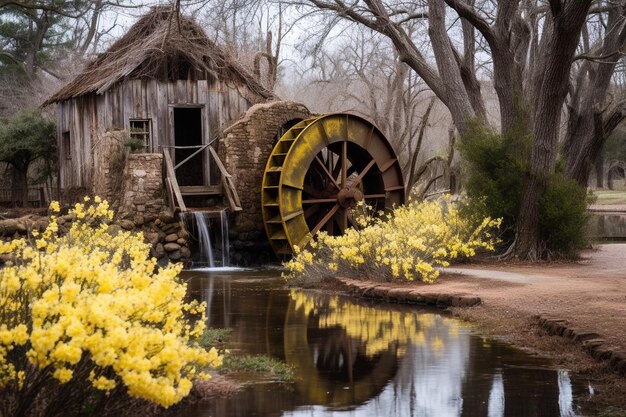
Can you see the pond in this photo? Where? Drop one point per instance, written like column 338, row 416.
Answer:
column 607, row 226
column 354, row 358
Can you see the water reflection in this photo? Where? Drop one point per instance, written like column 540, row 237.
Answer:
column 359, row 359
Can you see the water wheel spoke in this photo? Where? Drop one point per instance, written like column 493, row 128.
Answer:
column 325, row 219
column 364, row 172
column 330, row 226
column 342, row 220
column 351, row 218
column 308, row 213
column 328, row 174
column 320, row 200
column 372, row 196
column 344, row 163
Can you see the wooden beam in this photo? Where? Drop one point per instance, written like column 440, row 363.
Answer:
column 173, row 183
column 229, row 187
column 203, row 147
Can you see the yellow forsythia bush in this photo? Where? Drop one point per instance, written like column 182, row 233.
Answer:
column 407, row 244
column 91, row 309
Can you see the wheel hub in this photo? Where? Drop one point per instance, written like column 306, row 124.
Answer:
column 348, row 197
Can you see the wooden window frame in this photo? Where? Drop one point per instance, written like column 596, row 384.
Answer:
column 145, row 132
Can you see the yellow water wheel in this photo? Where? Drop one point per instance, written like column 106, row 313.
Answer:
column 318, row 171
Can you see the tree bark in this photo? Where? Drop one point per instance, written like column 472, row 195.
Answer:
column 458, row 100
column 19, row 186
column 591, row 123
column 563, row 30
column 599, row 166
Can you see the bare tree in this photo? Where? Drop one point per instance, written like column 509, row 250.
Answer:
column 532, row 46
column 369, row 80
column 254, row 31
column 596, row 102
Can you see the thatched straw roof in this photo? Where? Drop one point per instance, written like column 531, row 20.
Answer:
column 162, row 45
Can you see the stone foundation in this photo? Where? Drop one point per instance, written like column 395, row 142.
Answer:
column 250, row 248
column 143, row 208
column 142, row 189
column 244, row 149
column 167, row 236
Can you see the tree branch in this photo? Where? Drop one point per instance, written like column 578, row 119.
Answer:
column 468, row 13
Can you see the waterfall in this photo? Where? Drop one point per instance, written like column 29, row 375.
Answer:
column 225, row 239
column 204, row 239
column 201, row 222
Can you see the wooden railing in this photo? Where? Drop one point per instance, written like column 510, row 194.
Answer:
column 171, row 183
column 227, row 182
column 174, row 190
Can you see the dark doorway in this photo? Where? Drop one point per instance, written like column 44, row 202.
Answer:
column 188, row 132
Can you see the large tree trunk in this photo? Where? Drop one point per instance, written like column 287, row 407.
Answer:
column 563, row 27
column 599, row 166
column 19, row 186
column 591, row 122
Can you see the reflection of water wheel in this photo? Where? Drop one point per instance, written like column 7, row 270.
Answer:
column 319, row 170
column 320, row 384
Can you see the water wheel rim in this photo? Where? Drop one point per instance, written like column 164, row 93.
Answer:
column 354, row 143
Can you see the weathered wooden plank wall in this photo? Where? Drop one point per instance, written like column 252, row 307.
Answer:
column 87, row 117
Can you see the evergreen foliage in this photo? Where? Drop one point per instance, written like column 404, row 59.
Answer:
column 495, row 171
column 25, row 138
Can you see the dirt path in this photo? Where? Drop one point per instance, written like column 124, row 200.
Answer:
column 590, row 294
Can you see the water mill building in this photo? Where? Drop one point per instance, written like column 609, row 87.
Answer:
column 207, row 136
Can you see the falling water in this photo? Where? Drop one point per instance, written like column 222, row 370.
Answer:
column 225, row 238
column 202, row 226
column 199, row 221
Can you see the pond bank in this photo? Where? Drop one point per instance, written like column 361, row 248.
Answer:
column 532, row 305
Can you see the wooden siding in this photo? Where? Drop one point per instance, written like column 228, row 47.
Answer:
column 87, row 117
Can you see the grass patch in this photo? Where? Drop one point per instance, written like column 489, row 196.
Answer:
column 610, row 197
column 261, row 364
column 214, row 338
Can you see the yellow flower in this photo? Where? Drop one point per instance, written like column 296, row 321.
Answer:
column 54, row 207
column 89, row 295
column 407, row 243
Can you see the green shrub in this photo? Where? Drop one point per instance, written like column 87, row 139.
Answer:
column 134, row 144
column 563, row 209
column 497, row 165
column 496, row 168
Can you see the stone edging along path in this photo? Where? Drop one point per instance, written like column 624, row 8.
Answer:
column 590, row 341
column 407, row 295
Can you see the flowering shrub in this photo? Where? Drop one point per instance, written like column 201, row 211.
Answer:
column 91, row 311
column 407, row 244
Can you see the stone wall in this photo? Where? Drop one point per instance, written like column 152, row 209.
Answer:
column 142, row 188
column 244, row 149
column 109, row 158
column 166, row 234
column 143, row 208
